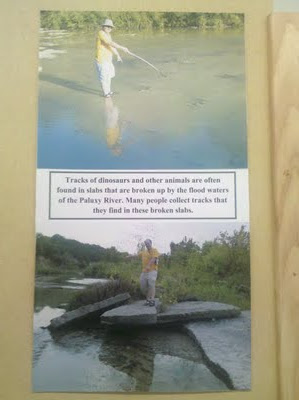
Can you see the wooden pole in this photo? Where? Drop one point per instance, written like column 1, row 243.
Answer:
column 147, row 62
column 284, row 35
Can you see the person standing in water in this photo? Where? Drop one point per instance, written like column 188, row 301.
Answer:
column 150, row 259
column 106, row 48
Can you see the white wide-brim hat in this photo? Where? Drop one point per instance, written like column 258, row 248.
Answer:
column 108, row 22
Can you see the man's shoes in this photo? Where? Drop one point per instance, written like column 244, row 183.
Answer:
column 150, row 303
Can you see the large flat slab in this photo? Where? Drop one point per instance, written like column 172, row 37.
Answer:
column 227, row 348
column 91, row 311
column 131, row 315
column 196, row 310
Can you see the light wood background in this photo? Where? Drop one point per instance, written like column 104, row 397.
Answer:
column 284, row 34
column 19, row 24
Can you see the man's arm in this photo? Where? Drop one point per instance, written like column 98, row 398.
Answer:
column 114, row 45
column 118, row 46
column 115, row 52
column 152, row 261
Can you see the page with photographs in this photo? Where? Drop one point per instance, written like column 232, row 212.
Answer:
column 142, row 219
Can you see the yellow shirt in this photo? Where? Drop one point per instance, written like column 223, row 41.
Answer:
column 104, row 51
column 145, row 258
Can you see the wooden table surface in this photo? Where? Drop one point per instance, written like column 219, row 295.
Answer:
column 284, row 38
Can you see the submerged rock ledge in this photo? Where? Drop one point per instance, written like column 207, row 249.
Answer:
column 226, row 347
column 221, row 331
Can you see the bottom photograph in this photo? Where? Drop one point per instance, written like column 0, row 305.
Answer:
column 153, row 307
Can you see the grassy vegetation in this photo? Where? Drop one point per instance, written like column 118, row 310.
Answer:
column 101, row 292
column 218, row 270
column 45, row 266
column 137, row 21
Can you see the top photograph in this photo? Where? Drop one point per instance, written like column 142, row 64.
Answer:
column 141, row 90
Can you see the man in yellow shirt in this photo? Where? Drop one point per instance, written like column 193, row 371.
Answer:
column 106, row 48
column 150, row 259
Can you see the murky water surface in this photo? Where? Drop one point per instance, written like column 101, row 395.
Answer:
column 102, row 360
column 191, row 117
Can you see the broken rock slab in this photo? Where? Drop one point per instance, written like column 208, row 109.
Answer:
column 138, row 314
column 135, row 314
column 226, row 345
column 89, row 312
column 196, row 310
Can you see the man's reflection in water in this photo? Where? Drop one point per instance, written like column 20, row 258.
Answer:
column 113, row 132
column 133, row 355
column 128, row 351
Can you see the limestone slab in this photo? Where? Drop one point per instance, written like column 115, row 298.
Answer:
column 196, row 310
column 132, row 315
column 91, row 311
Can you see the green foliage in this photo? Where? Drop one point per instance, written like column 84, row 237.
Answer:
column 91, row 20
column 59, row 253
column 127, row 270
column 229, row 258
column 101, row 292
column 44, row 266
column 218, row 270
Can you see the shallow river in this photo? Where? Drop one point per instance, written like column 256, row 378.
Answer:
column 100, row 360
column 193, row 116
